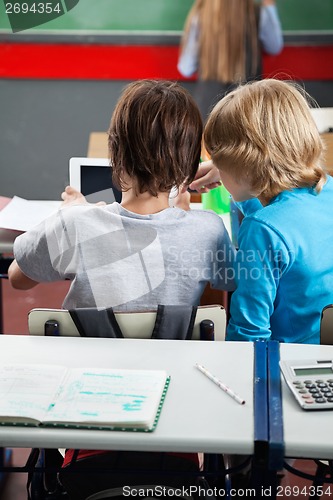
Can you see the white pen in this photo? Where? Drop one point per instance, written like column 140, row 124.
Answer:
column 220, row 384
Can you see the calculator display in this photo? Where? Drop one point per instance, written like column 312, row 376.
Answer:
column 299, row 372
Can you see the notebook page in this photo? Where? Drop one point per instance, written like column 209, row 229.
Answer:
column 26, row 391
column 109, row 398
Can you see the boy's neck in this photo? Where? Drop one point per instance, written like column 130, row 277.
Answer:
column 144, row 203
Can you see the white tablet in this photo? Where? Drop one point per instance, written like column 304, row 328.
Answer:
column 93, row 178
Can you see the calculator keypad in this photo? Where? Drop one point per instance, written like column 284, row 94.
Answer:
column 315, row 391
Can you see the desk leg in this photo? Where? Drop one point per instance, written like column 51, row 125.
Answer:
column 263, row 481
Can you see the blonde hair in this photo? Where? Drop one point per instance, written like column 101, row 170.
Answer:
column 227, row 30
column 263, row 132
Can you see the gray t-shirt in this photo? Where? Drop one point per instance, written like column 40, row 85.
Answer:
column 120, row 259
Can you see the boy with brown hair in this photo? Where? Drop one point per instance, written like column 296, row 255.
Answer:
column 134, row 255
column 139, row 253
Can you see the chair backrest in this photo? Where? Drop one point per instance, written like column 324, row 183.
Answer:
column 326, row 325
column 132, row 324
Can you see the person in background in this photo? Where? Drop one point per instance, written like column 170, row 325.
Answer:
column 268, row 153
column 223, row 41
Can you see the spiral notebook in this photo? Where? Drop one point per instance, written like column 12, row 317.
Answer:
column 93, row 398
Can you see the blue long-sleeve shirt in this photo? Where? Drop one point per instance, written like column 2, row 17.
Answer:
column 270, row 32
column 284, row 268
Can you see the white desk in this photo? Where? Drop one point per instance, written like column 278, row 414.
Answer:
column 196, row 416
column 7, row 238
column 307, row 434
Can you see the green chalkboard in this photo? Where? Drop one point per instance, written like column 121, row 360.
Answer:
column 306, row 15
column 165, row 15
column 110, row 15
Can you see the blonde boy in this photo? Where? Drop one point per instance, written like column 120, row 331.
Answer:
column 265, row 144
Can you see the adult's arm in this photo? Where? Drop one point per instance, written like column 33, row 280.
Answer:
column 270, row 32
column 188, row 61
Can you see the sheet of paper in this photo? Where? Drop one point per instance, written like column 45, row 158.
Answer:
column 26, row 391
column 97, row 396
column 21, row 215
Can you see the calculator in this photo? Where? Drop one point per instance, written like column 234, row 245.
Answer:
column 311, row 382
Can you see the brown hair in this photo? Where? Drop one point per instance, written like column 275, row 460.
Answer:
column 263, row 133
column 227, row 29
column 155, row 136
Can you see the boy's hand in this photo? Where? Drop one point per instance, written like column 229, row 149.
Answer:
column 207, row 177
column 73, row 197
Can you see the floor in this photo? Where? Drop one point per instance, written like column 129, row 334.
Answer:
column 16, row 305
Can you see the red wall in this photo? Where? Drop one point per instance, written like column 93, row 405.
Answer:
column 73, row 61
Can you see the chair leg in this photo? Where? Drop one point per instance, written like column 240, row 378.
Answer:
column 44, row 484
column 324, row 471
column 53, row 460
column 214, row 470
